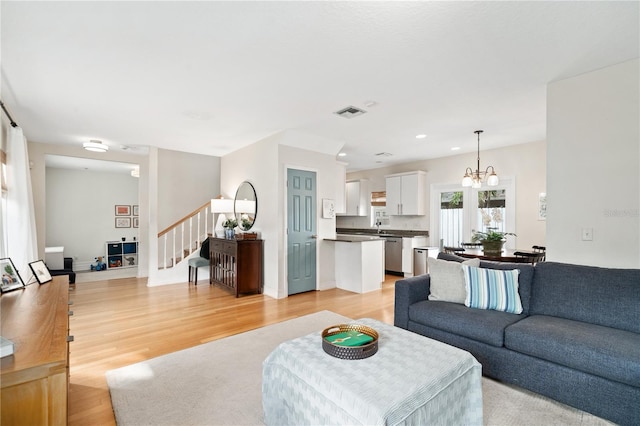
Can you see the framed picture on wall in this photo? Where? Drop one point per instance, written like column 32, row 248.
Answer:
column 123, row 222
column 542, row 206
column 122, row 210
column 135, row 210
column 10, row 278
column 40, row 271
column 136, row 222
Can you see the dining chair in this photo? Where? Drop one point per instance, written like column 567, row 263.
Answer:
column 453, row 250
column 542, row 250
column 529, row 257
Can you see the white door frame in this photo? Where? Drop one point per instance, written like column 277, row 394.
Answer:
column 285, row 221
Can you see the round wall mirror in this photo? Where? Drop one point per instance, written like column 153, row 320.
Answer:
column 245, row 206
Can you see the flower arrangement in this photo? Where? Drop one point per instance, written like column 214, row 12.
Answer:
column 230, row 223
column 492, row 241
column 246, row 223
column 490, row 235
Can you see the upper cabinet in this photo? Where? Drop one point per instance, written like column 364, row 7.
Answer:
column 357, row 200
column 406, row 193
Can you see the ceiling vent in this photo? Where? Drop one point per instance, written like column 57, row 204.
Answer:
column 350, row 112
column 383, row 154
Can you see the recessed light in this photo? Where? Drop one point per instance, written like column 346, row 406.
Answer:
column 455, row 148
column 342, row 154
column 421, row 136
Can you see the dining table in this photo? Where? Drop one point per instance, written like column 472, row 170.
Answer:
column 507, row 255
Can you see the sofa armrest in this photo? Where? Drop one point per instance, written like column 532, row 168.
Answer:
column 407, row 292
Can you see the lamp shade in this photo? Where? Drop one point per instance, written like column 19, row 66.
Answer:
column 245, row 206
column 221, row 205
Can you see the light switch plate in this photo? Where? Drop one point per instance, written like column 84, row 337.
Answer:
column 587, row 234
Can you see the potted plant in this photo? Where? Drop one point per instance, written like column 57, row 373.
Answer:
column 229, row 226
column 492, row 241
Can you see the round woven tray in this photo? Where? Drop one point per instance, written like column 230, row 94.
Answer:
column 350, row 352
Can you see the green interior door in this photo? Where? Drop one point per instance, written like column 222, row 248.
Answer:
column 301, row 231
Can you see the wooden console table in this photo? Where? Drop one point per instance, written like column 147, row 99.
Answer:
column 35, row 379
column 236, row 264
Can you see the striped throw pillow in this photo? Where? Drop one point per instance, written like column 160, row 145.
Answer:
column 492, row 289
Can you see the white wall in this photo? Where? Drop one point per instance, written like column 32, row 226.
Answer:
column 185, row 182
column 80, row 211
column 593, row 163
column 264, row 165
column 326, row 168
column 257, row 163
column 525, row 162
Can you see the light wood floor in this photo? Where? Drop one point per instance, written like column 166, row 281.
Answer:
column 120, row 322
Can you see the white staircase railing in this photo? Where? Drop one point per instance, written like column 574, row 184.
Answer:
column 175, row 243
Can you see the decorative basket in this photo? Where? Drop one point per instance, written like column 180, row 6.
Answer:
column 350, row 352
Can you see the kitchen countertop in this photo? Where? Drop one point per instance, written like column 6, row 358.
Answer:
column 383, row 232
column 354, row 238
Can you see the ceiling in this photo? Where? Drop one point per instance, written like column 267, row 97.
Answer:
column 88, row 164
column 211, row 77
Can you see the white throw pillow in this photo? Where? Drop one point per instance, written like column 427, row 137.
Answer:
column 447, row 279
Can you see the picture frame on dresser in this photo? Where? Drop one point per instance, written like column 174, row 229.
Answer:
column 11, row 279
column 40, row 271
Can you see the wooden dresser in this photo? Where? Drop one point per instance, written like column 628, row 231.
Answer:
column 236, row 264
column 35, row 379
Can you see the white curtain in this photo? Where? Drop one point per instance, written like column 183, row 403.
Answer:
column 22, row 243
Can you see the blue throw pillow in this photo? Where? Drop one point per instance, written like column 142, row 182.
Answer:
column 492, row 289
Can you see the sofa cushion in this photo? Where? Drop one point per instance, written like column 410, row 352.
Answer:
column 525, row 278
column 447, row 280
column 484, row 326
column 606, row 352
column 603, row 296
column 492, row 289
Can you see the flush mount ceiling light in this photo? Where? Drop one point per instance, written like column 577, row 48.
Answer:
column 474, row 179
column 342, row 154
column 95, row 146
column 421, row 136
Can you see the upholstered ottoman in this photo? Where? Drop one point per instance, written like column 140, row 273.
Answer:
column 410, row 380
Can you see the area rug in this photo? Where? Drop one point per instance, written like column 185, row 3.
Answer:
column 219, row 383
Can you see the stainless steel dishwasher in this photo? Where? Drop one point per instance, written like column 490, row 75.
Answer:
column 393, row 254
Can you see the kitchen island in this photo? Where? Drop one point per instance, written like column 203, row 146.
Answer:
column 359, row 262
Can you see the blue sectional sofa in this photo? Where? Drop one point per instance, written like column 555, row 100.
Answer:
column 577, row 339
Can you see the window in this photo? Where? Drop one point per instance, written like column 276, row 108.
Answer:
column 3, row 171
column 451, row 217
column 3, row 202
column 454, row 217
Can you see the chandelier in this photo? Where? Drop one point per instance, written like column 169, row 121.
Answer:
column 474, row 179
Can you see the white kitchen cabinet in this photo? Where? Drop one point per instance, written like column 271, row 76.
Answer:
column 406, row 194
column 358, row 201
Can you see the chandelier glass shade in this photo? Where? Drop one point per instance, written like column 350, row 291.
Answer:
column 475, row 178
